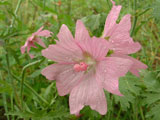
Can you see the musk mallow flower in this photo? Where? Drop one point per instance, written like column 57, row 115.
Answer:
column 35, row 37
column 119, row 38
column 83, row 70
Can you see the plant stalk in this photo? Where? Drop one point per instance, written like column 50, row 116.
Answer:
column 23, row 78
column 31, row 89
column 135, row 18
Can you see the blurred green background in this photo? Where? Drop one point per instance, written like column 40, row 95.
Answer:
column 20, row 18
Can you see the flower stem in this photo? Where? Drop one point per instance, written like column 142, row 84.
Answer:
column 23, row 77
column 108, row 4
column 31, row 89
column 15, row 12
column 119, row 113
column 135, row 18
column 10, row 79
column 4, row 100
column 141, row 112
column 44, row 3
column 69, row 6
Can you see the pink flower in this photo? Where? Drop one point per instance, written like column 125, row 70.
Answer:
column 35, row 38
column 83, row 70
column 119, row 38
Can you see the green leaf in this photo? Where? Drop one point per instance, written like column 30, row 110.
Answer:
column 92, row 22
column 5, row 87
column 156, row 9
column 128, row 86
column 153, row 114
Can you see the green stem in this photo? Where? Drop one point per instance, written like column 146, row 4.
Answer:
column 7, row 60
column 31, row 89
column 15, row 12
column 135, row 18
column 108, row 4
column 69, row 6
column 141, row 112
column 135, row 115
column 4, row 100
column 10, row 79
column 119, row 113
column 44, row 3
column 23, row 77
column 12, row 105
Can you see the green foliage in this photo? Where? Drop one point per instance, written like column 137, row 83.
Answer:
column 141, row 100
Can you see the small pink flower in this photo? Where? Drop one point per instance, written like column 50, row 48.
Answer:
column 119, row 38
column 83, row 70
column 35, row 38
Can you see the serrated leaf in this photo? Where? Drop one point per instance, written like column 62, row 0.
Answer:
column 151, row 98
column 92, row 22
column 153, row 114
column 151, row 81
column 35, row 74
column 128, row 86
column 156, row 9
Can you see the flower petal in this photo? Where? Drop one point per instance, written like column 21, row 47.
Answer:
column 126, row 47
column 67, row 80
column 28, row 44
column 41, row 32
column 40, row 29
column 51, row 71
column 23, row 49
column 44, row 33
column 40, row 42
column 97, row 47
column 88, row 92
column 137, row 65
column 111, row 20
column 65, row 76
column 66, row 49
column 120, row 38
column 81, row 33
column 65, row 35
column 109, row 70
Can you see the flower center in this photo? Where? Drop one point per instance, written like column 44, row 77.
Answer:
column 80, row 67
column 86, row 64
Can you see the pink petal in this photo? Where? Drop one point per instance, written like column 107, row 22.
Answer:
column 121, row 32
column 40, row 29
column 66, row 50
column 40, row 42
column 28, row 44
column 52, row 70
column 111, row 20
column 23, row 49
column 65, row 35
column 88, row 92
column 44, row 33
column 109, row 70
column 41, row 32
column 120, row 38
column 67, row 80
column 137, row 65
column 81, row 33
column 31, row 56
column 97, row 47
column 126, row 47
column 65, row 76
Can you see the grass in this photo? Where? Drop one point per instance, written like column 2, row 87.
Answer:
column 36, row 98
